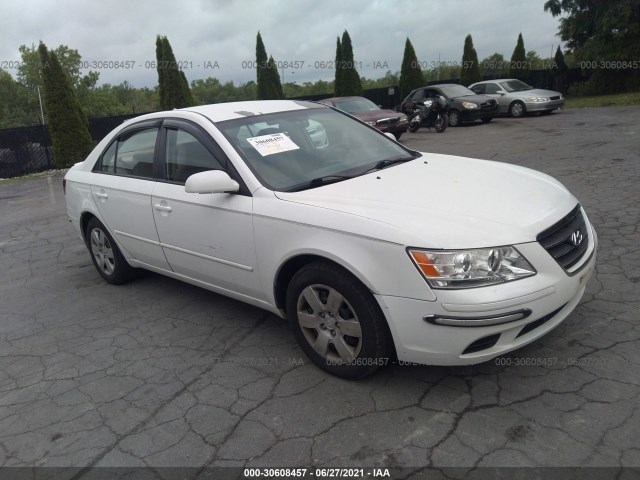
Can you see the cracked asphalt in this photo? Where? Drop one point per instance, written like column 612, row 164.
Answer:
column 161, row 373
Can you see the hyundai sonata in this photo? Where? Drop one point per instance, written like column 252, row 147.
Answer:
column 371, row 250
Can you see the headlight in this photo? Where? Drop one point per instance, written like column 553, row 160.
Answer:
column 371, row 123
column 403, row 119
column 471, row 268
column 469, row 105
column 538, row 99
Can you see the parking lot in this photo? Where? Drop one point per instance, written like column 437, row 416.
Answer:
column 161, row 373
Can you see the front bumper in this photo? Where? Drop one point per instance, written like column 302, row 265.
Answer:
column 395, row 128
column 547, row 298
column 544, row 106
column 478, row 114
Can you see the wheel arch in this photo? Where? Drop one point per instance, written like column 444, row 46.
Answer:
column 294, row 263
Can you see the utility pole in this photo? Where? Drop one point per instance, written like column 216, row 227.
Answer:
column 41, row 109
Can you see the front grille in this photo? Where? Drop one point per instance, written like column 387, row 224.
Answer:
column 538, row 323
column 482, row 344
column 557, row 97
column 567, row 240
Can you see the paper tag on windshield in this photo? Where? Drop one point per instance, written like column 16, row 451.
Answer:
column 273, row 143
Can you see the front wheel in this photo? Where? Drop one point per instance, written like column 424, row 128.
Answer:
column 414, row 126
column 397, row 135
column 106, row 255
column 454, row 118
column 517, row 109
column 336, row 321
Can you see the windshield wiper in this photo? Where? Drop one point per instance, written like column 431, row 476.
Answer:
column 319, row 181
column 387, row 163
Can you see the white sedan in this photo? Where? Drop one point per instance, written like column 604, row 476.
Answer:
column 374, row 252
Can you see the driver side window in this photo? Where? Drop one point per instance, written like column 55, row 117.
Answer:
column 492, row 88
column 185, row 155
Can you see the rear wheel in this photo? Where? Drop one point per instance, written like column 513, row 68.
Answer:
column 106, row 255
column 336, row 321
column 442, row 121
column 454, row 118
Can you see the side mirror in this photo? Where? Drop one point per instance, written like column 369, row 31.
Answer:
column 211, row 181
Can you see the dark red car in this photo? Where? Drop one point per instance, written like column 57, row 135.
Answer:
column 370, row 113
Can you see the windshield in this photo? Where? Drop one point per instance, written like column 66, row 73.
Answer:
column 354, row 105
column 287, row 150
column 515, row 86
column 453, row 91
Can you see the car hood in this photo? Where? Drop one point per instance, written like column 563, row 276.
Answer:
column 376, row 115
column 473, row 98
column 537, row 92
column 442, row 201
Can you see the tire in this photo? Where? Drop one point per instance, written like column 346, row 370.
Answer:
column 414, row 126
column 106, row 255
column 397, row 135
column 454, row 118
column 517, row 109
column 442, row 122
column 336, row 321
column 486, row 120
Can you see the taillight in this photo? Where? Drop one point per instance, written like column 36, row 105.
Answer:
column 64, row 185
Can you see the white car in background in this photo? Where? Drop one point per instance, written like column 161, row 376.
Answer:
column 373, row 251
column 517, row 98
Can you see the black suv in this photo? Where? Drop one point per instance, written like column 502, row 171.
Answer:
column 465, row 105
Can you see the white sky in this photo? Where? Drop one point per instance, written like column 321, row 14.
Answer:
column 205, row 32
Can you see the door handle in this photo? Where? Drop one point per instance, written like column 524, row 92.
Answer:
column 102, row 195
column 162, row 208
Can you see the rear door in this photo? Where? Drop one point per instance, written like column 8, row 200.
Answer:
column 122, row 183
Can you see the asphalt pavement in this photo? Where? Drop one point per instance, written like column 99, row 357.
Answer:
column 161, row 373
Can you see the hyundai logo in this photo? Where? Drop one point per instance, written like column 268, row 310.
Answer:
column 577, row 237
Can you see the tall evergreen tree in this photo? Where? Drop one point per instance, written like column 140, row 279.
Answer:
column 518, row 67
column 559, row 72
column 273, row 81
column 338, row 84
column 351, row 79
column 261, row 68
column 410, row 73
column 162, row 77
column 174, row 88
column 65, row 118
column 470, row 72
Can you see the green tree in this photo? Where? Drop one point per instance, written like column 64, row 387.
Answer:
column 262, row 65
column 559, row 72
column 350, row 81
column 338, row 84
column 470, row 71
column 267, row 76
column 65, row 118
column 410, row 73
column 494, row 65
column 601, row 32
column 518, row 67
column 172, row 83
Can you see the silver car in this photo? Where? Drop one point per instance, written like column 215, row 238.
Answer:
column 517, row 98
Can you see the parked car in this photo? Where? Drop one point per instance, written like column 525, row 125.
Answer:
column 516, row 98
column 372, row 251
column 370, row 113
column 464, row 105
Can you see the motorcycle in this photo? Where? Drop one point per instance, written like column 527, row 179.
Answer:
column 432, row 113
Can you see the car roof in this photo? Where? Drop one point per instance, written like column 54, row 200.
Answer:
column 219, row 112
column 494, row 80
column 348, row 97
